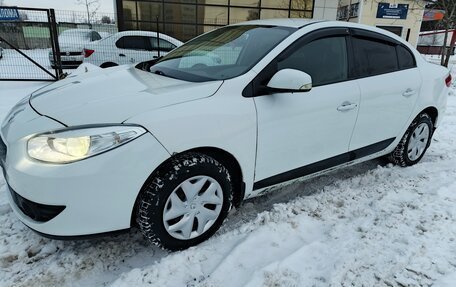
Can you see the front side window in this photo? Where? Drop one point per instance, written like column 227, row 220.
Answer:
column 325, row 60
column 132, row 43
column 221, row 54
column 374, row 57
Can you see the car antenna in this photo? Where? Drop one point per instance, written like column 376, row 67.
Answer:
column 158, row 40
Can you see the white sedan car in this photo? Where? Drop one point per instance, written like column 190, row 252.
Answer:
column 128, row 47
column 71, row 43
column 174, row 148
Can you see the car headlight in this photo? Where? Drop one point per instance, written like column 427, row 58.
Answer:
column 69, row 145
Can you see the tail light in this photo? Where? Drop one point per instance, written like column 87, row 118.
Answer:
column 88, row 52
column 448, row 81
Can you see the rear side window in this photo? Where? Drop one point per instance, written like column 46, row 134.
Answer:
column 374, row 57
column 325, row 60
column 405, row 57
column 164, row 45
column 95, row 36
column 132, row 42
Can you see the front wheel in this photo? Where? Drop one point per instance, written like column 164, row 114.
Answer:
column 414, row 143
column 184, row 202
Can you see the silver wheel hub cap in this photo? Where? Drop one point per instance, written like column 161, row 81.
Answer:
column 193, row 207
column 418, row 141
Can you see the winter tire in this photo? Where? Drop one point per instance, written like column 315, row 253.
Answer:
column 414, row 143
column 184, row 202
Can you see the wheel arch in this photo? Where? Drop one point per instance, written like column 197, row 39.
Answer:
column 432, row 112
column 222, row 156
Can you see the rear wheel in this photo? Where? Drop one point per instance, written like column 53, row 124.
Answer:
column 184, row 202
column 414, row 143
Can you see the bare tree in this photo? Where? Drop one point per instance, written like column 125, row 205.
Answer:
column 106, row 20
column 447, row 23
column 91, row 6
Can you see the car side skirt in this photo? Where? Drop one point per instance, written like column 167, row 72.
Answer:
column 322, row 165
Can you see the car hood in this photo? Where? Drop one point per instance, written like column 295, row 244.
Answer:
column 113, row 95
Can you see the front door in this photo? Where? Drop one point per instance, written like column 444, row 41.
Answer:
column 301, row 133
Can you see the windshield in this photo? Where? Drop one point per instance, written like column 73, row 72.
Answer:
column 221, row 54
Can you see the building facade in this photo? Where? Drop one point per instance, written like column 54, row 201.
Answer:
column 185, row 19
column 401, row 17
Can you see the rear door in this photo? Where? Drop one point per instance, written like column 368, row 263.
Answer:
column 389, row 82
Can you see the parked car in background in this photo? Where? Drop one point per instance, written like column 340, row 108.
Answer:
column 172, row 149
column 128, row 47
column 71, row 44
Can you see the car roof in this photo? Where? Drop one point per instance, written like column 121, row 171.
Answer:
column 149, row 34
column 298, row 23
column 78, row 30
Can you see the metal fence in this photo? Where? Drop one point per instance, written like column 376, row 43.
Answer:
column 36, row 44
column 40, row 44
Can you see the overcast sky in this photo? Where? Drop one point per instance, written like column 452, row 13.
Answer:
column 105, row 5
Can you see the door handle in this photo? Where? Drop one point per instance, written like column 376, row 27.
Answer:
column 409, row 92
column 121, row 55
column 346, row 106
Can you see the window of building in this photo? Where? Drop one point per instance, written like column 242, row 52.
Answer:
column 302, row 4
column 278, row 4
column 325, row 60
column 149, row 11
column 393, row 29
column 273, row 13
column 246, row 3
column 204, row 15
column 212, row 15
column 213, row 2
column 373, row 57
column 129, row 10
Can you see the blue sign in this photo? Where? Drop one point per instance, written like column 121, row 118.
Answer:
column 9, row 14
column 392, row 11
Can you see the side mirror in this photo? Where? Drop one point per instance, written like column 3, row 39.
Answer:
column 289, row 81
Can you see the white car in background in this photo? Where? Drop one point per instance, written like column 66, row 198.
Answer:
column 128, row 47
column 71, row 44
column 172, row 149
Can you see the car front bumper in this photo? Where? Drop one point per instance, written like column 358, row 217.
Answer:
column 91, row 196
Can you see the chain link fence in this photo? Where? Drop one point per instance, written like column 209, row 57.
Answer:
column 40, row 44
column 36, row 44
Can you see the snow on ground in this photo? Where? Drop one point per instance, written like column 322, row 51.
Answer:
column 15, row 66
column 367, row 225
